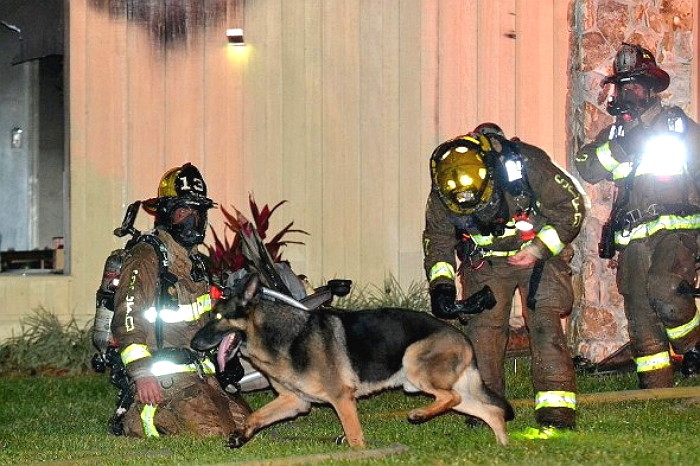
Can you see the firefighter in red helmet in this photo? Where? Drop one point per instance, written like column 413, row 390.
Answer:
column 161, row 301
column 507, row 213
column 652, row 154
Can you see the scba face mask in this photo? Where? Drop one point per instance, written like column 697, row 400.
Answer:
column 188, row 223
column 629, row 97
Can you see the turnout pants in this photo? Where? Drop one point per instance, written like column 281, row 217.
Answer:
column 648, row 276
column 192, row 406
column 550, row 292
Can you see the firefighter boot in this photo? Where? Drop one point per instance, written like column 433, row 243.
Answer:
column 691, row 362
column 560, row 418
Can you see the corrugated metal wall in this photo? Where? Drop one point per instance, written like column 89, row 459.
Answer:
column 334, row 105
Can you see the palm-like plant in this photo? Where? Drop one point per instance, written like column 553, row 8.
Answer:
column 226, row 253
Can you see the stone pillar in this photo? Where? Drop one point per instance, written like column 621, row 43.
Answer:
column 598, row 326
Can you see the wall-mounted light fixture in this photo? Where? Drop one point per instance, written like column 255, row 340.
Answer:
column 235, row 37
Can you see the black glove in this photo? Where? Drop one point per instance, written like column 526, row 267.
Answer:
column 442, row 300
column 633, row 141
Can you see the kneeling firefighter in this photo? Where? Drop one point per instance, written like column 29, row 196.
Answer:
column 652, row 154
column 162, row 300
column 509, row 213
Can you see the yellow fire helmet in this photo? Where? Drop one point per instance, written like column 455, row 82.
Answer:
column 460, row 173
column 184, row 183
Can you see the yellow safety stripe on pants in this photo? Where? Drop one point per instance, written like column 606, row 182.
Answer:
column 183, row 313
column 653, row 362
column 148, row 413
column 549, row 236
column 555, row 399
column 664, row 222
column 682, row 330
column 167, row 368
column 441, row 269
column 133, row 352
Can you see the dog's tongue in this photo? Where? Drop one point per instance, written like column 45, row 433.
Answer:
column 224, row 350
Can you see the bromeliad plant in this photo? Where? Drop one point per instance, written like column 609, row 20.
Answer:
column 226, row 253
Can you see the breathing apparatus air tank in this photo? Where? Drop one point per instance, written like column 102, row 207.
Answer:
column 101, row 330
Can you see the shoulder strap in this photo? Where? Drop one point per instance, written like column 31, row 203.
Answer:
column 166, row 279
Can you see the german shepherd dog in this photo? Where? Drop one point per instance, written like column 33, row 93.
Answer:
column 334, row 356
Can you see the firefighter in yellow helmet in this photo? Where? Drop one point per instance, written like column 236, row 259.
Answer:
column 507, row 213
column 163, row 298
column 652, row 154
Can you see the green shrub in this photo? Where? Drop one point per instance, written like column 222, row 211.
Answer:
column 390, row 295
column 45, row 344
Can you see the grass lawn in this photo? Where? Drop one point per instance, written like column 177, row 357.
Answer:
column 62, row 420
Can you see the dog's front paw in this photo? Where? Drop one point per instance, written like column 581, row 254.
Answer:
column 236, row 440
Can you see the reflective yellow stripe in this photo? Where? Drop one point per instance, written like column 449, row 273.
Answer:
column 490, row 253
column 442, row 269
column 653, row 362
column 664, row 222
column 617, row 169
column 622, row 171
column 487, row 240
column 512, row 252
column 555, row 399
column 147, row 414
column 549, row 236
column 166, row 368
column 133, row 352
column 606, row 159
column 184, row 312
column 682, row 330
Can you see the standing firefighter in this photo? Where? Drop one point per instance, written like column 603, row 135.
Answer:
column 509, row 213
column 162, row 300
column 652, row 153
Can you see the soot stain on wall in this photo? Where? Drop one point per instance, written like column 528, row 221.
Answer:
column 170, row 22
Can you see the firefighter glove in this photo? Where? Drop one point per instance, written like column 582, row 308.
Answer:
column 442, row 301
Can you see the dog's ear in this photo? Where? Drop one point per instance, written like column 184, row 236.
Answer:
column 251, row 288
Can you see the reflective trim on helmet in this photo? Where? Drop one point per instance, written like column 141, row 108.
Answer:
column 184, row 312
column 549, row 236
column 653, row 362
column 682, row 330
column 555, row 399
column 134, row 352
column 664, row 222
column 167, row 368
column 441, row 269
column 148, row 413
